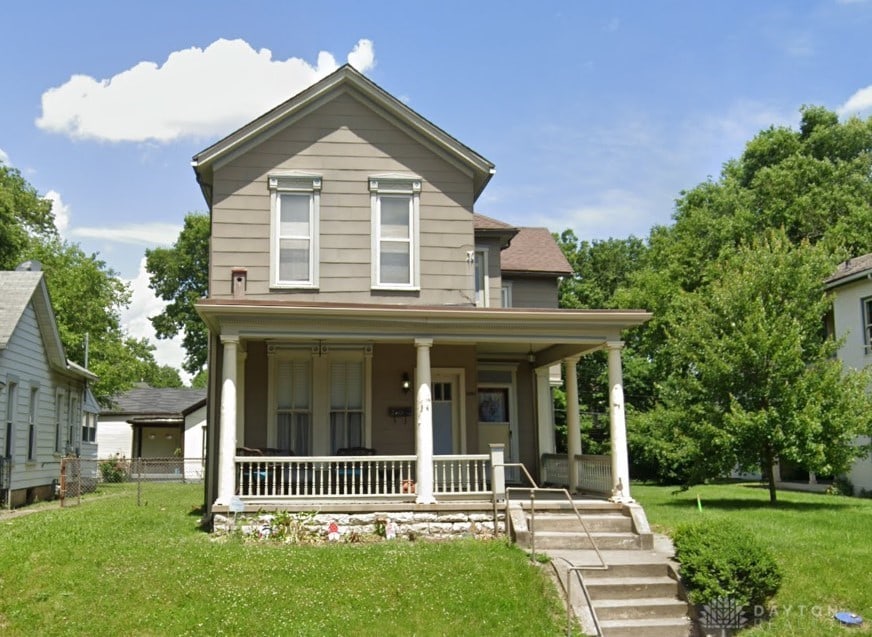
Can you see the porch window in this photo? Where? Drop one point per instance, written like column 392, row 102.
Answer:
column 295, row 204
column 395, row 232
column 294, row 407
column 346, row 405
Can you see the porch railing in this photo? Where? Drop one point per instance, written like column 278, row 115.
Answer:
column 594, row 473
column 341, row 476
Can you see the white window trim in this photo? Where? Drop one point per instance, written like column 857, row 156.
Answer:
column 485, row 291
column 506, row 294
column 320, row 357
column 33, row 423
column 396, row 185
column 300, row 183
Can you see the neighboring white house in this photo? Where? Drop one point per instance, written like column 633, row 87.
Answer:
column 851, row 287
column 47, row 409
column 147, row 422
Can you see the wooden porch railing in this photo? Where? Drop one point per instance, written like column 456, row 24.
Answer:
column 284, row 477
column 594, row 473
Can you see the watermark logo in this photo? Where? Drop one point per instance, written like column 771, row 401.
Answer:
column 723, row 614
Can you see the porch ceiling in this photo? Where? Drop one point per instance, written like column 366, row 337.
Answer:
column 549, row 335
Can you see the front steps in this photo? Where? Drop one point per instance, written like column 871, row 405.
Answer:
column 637, row 594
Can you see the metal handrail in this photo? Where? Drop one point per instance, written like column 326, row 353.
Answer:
column 533, row 490
column 572, row 568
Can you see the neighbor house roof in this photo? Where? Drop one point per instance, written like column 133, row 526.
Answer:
column 156, row 402
column 850, row 270
column 533, row 250
column 343, row 80
column 18, row 289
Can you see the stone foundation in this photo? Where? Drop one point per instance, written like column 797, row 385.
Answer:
column 405, row 524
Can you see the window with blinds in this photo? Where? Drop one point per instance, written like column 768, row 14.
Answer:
column 346, row 405
column 294, row 407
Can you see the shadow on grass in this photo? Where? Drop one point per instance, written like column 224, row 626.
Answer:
column 735, row 504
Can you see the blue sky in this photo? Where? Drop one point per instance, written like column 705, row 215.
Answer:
column 596, row 114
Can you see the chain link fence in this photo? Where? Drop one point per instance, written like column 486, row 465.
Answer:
column 125, row 476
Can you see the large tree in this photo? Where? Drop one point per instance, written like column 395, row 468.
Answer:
column 179, row 275
column 24, row 216
column 87, row 297
column 813, row 187
column 753, row 379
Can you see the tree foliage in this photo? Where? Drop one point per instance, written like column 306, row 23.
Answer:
column 24, row 216
column 740, row 371
column 179, row 275
column 88, row 297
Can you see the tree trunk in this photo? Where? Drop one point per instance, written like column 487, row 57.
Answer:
column 769, row 469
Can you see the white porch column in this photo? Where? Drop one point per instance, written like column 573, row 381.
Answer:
column 240, row 397
column 573, row 426
column 227, row 436
column 618, row 426
column 544, row 411
column 424, row 424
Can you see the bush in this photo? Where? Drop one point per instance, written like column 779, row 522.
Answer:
column 113, row 469
column 720, row 559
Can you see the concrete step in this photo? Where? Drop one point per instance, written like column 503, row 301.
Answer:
column 645, row 608
column 631, row 587
column 613, row 522
column 547, row 540
column 630, row 569
column 646, row 628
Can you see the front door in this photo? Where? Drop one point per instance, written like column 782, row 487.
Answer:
column 444, row 392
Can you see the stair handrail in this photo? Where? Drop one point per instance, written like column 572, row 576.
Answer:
column 570, row 569
column 537, row 489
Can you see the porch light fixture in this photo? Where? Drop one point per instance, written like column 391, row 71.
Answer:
column 168, row 436
column 407, row 384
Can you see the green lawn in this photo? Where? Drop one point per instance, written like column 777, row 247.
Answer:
column 108, row 567
column 823, row 544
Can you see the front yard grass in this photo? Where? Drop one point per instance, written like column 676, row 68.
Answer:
column 110, row 567
column 822, row 543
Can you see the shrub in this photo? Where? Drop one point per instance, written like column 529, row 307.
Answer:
column 114, row 469
column 720, row 559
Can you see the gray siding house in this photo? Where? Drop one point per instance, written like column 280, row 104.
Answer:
column 47, row 409
column 369, row 331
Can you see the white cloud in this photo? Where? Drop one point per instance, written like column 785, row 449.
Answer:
column 144, row 304
column 194, row 93
column 143, row 234
column 859, row 102
column 362, row 56
column 60, row 209
column 4, row 158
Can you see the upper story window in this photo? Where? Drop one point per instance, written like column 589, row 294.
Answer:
column 395, row 202
column 295, row 201
column 867, row 324
column 506, row 293
column 481, row 279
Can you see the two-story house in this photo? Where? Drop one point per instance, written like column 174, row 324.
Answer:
column 851, row 320
column 368, row 329
column 48, row 411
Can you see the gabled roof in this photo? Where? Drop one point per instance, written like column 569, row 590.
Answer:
column 160, row 402
column 485, row 226
column 850, row 270
column 534, row 251
column 20, row 288
column 345, row 79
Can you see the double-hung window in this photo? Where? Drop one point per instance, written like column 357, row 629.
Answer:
column 32, row 415
column 482, row 291
column 11, row 412
column 294, row 406
column 295, row 200
column 867, row 324
column 346, row 404
column 395, row 203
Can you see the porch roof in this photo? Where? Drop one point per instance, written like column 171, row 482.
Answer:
column 549, row 334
